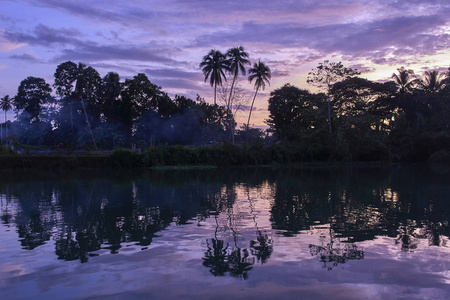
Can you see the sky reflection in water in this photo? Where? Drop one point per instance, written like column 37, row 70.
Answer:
column 335, row 233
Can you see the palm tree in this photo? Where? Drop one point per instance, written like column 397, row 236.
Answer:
column 432, row 81
column 237, row 59
column 214, row 66
column 405, row 79
column 5, row 105
column 261, row 73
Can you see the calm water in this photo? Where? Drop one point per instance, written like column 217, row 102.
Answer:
column 317, row 233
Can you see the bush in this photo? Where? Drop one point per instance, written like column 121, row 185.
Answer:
column 126, row 158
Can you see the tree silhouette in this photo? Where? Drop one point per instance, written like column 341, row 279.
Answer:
column 110, row 92
column 237, row 58
column 6, row 105
column 405, row 80
column 32, row 94
column 327, row 74
column 88, row 82
column 432, row 81
column 213, row 66
column 261, row 74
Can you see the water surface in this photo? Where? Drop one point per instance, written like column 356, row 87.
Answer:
column 313, row 233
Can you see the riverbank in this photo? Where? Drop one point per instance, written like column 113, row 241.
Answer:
column 167, row 157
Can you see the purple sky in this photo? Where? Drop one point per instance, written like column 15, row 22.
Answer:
column 167, row 39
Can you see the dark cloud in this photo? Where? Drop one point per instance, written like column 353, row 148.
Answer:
column 279, row 73
column 75, row 48
column 44, row 36
column 94, row 52
column 25, row 57
column 174, row 73
column 362, row 68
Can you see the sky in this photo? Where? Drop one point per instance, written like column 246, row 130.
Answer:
column 167, row 39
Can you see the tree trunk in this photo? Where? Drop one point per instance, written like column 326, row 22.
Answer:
column 329, row 110
column 251, row 108
column 229, row 110
column 88, row 123
column 6, row 129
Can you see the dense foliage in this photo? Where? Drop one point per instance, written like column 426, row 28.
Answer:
column 89, row 112
column 403, row 120
column 406, row 119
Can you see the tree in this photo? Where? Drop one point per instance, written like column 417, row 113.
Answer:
column 138, row 96
column 6, row 105
column 214, row 66
column 237, row 59
column 261, row 74
column 110, row 92
column 88, row 86
column 325, row 75
column 294, row 111
column 65, row 75
column 88, row 83
column 405, row 80
column 32, row 94
column 432, row 81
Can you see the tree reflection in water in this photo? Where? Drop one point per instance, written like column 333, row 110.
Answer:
column 262, row 248
column 221, row 259
column 333, row 253
column 216, row 258
column 84, row 213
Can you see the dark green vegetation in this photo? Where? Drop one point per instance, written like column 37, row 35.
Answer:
column 406, row 119
column 403, row 120
column 227, row 155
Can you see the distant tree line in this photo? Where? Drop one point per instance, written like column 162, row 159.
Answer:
column 406, row 119
column 89, row 112
column 351, row 118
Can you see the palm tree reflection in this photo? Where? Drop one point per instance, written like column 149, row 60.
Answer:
column 219, row 257
column 262, row 248
column 216, row 257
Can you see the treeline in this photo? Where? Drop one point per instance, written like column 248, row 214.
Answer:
column 81, row 110
column 406, row 119
column 353, row 119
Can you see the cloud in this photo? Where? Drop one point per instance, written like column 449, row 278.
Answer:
column 411, row 34
column 94, row 52
column 280, row 73
column 362, row 68
column 44, row 36
column 25, row 57
column 7, row 45
column 174, row 73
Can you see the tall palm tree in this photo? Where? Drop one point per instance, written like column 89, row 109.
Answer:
column 432, row 81
column 6, row 105
column 405, row 79
column 237, row 58
column 213, row 66
column 261, row 74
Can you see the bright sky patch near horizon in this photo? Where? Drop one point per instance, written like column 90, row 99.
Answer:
column 167, row 39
